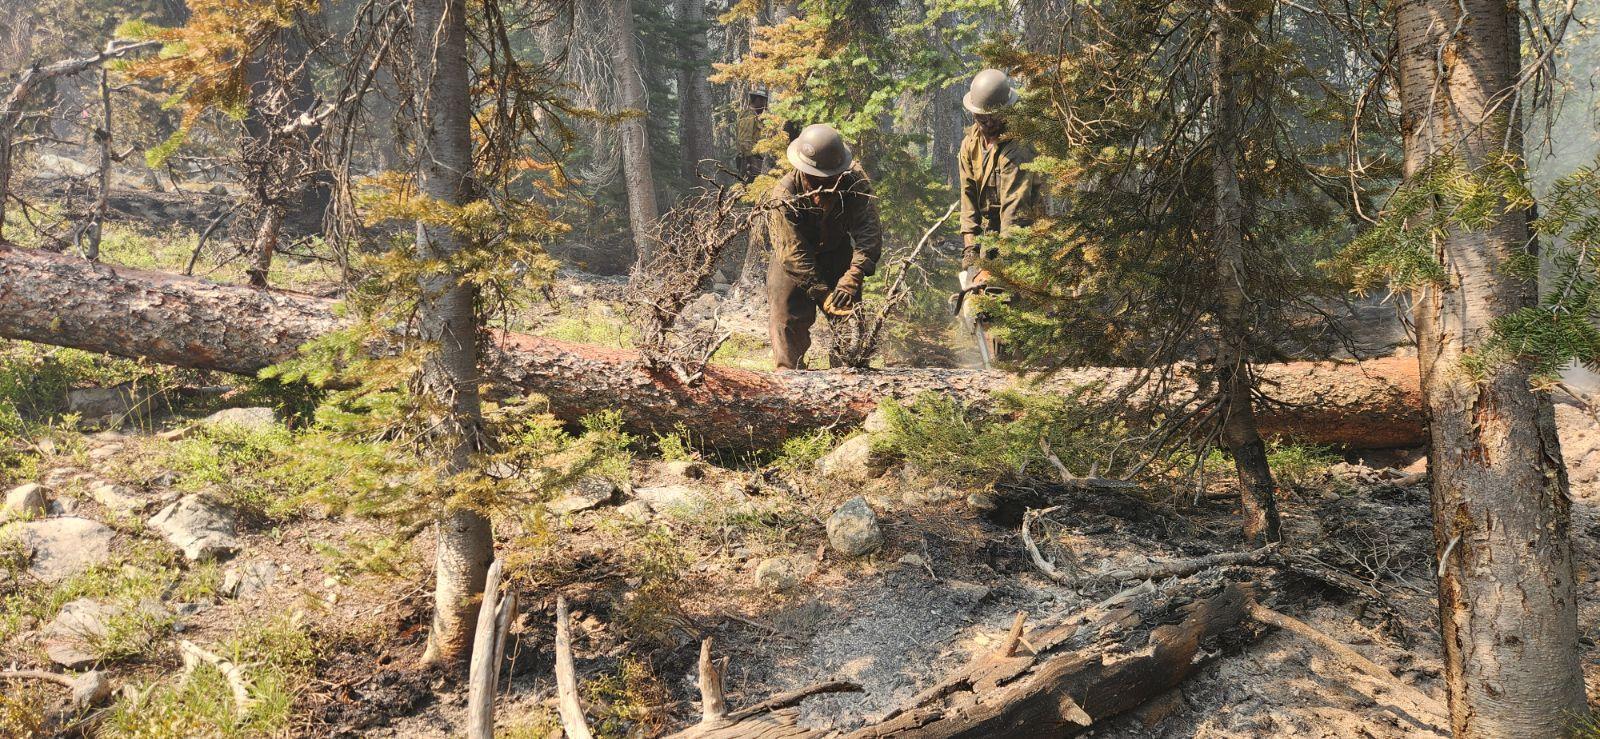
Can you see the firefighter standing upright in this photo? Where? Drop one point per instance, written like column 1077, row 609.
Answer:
column 826, row 240
column 997, row 194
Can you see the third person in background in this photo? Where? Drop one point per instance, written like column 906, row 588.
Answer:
column 997, row 194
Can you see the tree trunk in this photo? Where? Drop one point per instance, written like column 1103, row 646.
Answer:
column 636, row 171
column 102, row 198
column 1257, row 493
column 448, row 321
column 1506, row 594
column 694, row 92
column 266, row 244
column 186, row 322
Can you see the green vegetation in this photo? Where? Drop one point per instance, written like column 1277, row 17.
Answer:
column 975, row 446
column 279, row 657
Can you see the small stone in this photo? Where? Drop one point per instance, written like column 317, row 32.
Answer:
column 687, row 469
column 24, row 501
column 119, row 498
column 930, row 495
column 587, row 493
column 219, row 189
column 202, row 528
column 981, row 502
column 636, row 511
column 61, row 547
column 854, row 460
column 669, row 497
column 112, row 405
column 913, row 560
column 250, row 419
column 103, row 453
column 777, row 574
column 876, row 422
column 853, row 529
column 249, row 578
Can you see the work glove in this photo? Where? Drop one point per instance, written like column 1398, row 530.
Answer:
column 841, row 302
column 845, row 297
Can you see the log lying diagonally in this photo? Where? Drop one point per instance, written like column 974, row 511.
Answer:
column 62, row 300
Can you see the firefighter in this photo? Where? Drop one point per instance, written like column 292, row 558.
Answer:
column 747, row 134
column 997, row 194
column 822, row 219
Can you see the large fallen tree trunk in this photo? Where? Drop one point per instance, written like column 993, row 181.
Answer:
column 61, row 300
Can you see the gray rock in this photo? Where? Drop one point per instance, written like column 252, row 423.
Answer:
column 876, row 422
column 853, row 529
column 112, row 405
column 854, row 460
column 78, row 634
column 670, row 497
column 119, row 498
column 249, row 578
column 61, row 547
column 588, row 493
column 219, row 190
column 202, row 528
column 250, row 419
column 24, row 501
column 777, row 574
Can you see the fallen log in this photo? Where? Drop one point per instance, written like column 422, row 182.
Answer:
column 168, row 319
column 1096, row 664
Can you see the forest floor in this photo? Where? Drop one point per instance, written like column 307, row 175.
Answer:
column 326, row 607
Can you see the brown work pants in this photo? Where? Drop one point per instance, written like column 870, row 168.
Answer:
column 792, row 312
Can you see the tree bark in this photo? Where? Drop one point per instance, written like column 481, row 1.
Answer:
column 636, row 169
column 1501, row 513
column 266, row 244
column 1257, row 492
column 186, row 322
column 448, row 321
column 694, row 91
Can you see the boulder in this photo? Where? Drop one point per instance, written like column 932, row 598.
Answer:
column 59, row 548
column 202, row 528
column 24, row 501
column 252, row 419
column 587, row 493
column 853, row 529
column 777, row 574
column 670, row 497
column 855, row 460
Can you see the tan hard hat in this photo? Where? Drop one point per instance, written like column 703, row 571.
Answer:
column 820, row 151
column 991, row 91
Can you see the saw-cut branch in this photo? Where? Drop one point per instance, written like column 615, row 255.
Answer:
column 185, row 322
column 768, row 719
column 567, row 704
column 87, row 688
column 193, row 654
column 484, row 667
